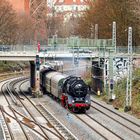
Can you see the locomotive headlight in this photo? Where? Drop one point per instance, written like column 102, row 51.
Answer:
column 72, row 101
column 86, row 101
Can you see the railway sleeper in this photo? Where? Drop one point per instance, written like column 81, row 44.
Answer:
column 5, row 129
column 69, row 138
column 58, row 124
column 52, row 119
column 62, row 129
column 66, row 132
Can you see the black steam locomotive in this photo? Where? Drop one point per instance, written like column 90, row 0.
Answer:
column 71, row 90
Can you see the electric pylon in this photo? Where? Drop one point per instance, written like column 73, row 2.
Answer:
column 129, row 69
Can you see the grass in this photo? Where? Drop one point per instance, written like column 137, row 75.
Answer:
column 120, row 91
column 10, row 69
column 11, row 66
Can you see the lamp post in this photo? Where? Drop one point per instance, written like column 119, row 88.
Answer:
column 92, row 31
column 96, row 31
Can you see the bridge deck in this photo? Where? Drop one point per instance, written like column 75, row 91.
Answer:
column 31, row 55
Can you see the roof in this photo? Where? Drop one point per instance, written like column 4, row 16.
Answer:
column 70, row 2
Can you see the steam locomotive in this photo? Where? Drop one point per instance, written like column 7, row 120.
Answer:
column 70, row 90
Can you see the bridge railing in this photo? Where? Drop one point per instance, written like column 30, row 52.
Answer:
column 124, row 49
column 18, row 48
column 64, row 48
column 81, row 42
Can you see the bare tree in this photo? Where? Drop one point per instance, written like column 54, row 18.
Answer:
column 38, row 13
column 25, row 30
column 104, row 12
column 8, row 23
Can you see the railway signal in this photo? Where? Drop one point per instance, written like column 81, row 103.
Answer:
column 37, row 62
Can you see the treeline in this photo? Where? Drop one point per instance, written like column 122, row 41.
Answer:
column 22, row 29
column 103, row 12
column 14, row 28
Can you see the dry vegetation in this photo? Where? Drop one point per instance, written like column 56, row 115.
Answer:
column 104, row 12
column 120, row 91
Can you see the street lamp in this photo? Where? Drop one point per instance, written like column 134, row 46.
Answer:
column 96, row 31
column 92, row 30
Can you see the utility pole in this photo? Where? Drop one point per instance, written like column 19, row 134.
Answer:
column 112, row 71
column 76, row 43
column 96, row 31
column 129, row 77
column 105, row 67
column 106, row 76
column 77, row 65
column 114, row 51
column 111, row 76
column 114, row 35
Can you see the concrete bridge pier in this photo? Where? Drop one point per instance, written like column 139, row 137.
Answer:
column 34, row 80
column 97, row 80
column 32, row 74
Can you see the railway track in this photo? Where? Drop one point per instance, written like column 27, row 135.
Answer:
column 57, row 124
column 89, row 119
column 12, row 103
column 29, row 111
column 104, row 131
column 6, row 118
column 38, row 135
column 6, row 128
column 63, row 132
column 117, row 117
column 116, row 113
column 97, row 127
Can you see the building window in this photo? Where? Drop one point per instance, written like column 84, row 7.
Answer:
column 61, row 0
column 62, row 8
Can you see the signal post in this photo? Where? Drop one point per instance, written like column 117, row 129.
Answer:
column 35, row 79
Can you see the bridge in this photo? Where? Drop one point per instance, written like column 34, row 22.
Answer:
column 31, row 55
column 28, row 53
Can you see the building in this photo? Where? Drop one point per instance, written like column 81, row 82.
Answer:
column 69, row 8
column 21, row 6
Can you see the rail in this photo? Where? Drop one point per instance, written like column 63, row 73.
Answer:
column 58, row 125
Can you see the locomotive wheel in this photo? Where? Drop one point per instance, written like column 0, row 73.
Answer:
column 63, row 102
column 83, row 110
column 88, row 108
column 66, row 103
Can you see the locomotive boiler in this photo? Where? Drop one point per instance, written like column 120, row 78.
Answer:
column 70, row 90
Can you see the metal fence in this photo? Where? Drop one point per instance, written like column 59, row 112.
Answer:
column 100, row 45
column 79, row 42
